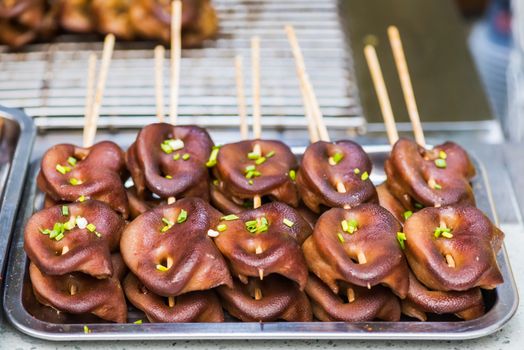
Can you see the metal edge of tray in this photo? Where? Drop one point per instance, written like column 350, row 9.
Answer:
column 15, row 180
column 504, row 308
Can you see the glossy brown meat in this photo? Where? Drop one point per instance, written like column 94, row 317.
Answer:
column 202, row 306
column 23, row 21
column 98, row 168
column 113, row 16
column 281, row 299
column 279, row 246
column 77, row 16
column 87, row 253
column 335, row 261
column 467, row 305
column 196, row 262
column 473, row 246
column 368, row 305
column 390, row 203
column 274, row 180
column 411, row 168
column 149, row 164
column 317, row 179
column 225, row 203
column 139, row 206
column 101, row 297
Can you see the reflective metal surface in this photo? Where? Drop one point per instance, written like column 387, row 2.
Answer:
column 501, row 303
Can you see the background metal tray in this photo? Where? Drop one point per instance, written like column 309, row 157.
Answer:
column 501, row 303
column 17, row 133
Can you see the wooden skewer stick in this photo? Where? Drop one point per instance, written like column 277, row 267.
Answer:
column 176, row 54
column 450, row 260
column 170, row 300
column 171, row 200
column 361, row 258
column 261, row 274
column 258, row 250
column 109, row 44
column 405, row 82
column 306, row 83
column 258, row 293
column 382, row 93
column 65, row 249
column 241, row 97
column 341, row 188
column 91, row 75
column 243, row 278
column 255, row 76
column 73, row 289
column 159, row 82
column 257, row 201
column 351, row 295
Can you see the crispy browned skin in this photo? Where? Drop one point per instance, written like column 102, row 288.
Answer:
column 87, row 253
column 99, row 168
column 369, row 304
column 410, row 167
column 149, row 164
column 317, row 179
column 333, row 261
column 474, row 247
column 77, row 16
column 202, row 306
column 197, row 263
column 280, row 244
column 389, row 202
column 101, row 297
column 467, row 305
column 113, row 16
column 274, row 180
column 281, row 300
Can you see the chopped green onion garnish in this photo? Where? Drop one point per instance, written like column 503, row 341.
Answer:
column 221, row 227
column 213, row 158
column 215, row 182
column 251, row 226
column 59, row 237
column 353, row 225
column 407, row 214
column 186, row 156
column 170, row 145
column 356, row 171
column 69, row 225
column 253, row 155
column 337, row 157
column 72, row 161
column 165, row 147
column 176, row 156
column 250, row 182
column 292, row 174
column 138, row 322
column 229, row 217
column 401, row 237
column 260, row 160
column 441, row 163
column 74, row 181
column 169, row 177
column 437, row 186
column 270, row 154
column 45, row 231
column 442, row 155
column 345, row 225
column 161, row 268
column 364, row 176
column 250, row 168
column 446, row 234
column 86, row 330
column 182, row 216
column 91, row 228
column 82, row 198
column 340, row 238
column 62, row 169
column 288, row 222
column 444, row 231
column 65, row 210
column 418, row 205
column 167, row 225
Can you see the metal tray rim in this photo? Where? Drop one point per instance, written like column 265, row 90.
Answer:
column 492, row 321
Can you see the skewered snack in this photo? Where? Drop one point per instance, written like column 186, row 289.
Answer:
column 272, row 299
column 357, row 246
column 78, row 237
column 335, row 175
column 69, row 173
column 201, row 306
column 77, row 16
column 466, row 305
column 263, row 241
column 78, row 293
column 436, row 177
column 453, row 248
column 389, row 202
column 169, row 161
column 170, row 252
column 113, row 16
column 243, row 174
column 354, row 304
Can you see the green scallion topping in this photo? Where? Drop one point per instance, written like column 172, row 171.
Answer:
column 59, row 236
column 356, row 171
column 171, row 145
column 166, row 148
column 82, row 198
column 407, row 214
column 349, row 226
column 364, row 176
column 229, row 217
column 167, row 225
column 270, row 154
column 213, row 158
column 74, row 181
column 444, row 231
column 260, row 160
column 65, row 210
column 418, row 205
column 69, row 225
column 86, row 330
column 401, row 238
column 250, row 182
column 138, row 322
column 91, row 228
column 437, row 186
column 340, row 238
column 253, row 156
column 162, row 268
column 292, row 175
column 345, row 225
column 169, row 177
column 257, row 226
column 72, row 161
column 62, row 169
column 186, row 156
column 442, row 154
column 251, row 226
column 249, row 168
column 182, row 216
column 288, row 222
column 221, row 227
column 176, row 156
column 337, row 157
column 441, row 163
column 447, row 234
column 215, row 182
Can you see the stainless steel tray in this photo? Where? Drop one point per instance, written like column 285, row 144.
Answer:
column 17, row 133
column 502, row 302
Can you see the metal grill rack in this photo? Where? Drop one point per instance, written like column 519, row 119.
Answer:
column 48, row 80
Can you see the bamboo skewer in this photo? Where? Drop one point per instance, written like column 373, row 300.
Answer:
column 361, row 258
column 241, row 97
column 382, row 93
column 91, row 75
column 170, row 300
column 405, row 82
column 159, row 82
column 73, row 289
column 255, row 77
column 176, row 54
column 351, row 295
column 258, row 293
column 107, row 54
